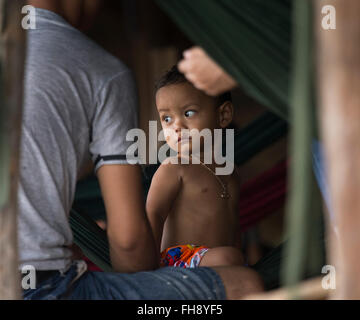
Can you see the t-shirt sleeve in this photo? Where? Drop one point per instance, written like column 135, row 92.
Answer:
column 116, row 113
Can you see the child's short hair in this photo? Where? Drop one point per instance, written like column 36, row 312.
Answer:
column 174, row 76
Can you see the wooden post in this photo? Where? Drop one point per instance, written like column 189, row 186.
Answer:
column 338, row 63
column 12, row 46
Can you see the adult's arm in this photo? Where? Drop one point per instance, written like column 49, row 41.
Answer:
column 132, row 245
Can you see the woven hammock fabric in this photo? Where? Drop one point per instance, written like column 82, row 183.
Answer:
column 262, row 195
column 258, row 135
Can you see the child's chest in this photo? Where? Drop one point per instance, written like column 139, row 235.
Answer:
column 204, row 189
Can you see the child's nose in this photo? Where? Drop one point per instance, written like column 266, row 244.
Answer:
column 179, row 125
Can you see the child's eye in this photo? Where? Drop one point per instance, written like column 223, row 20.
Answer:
column 166, row 119
column 189, row 113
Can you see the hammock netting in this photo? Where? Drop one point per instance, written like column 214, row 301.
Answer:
column 266, row 46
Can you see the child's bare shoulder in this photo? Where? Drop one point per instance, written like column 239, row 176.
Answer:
column 171, row 166
column 174, row 161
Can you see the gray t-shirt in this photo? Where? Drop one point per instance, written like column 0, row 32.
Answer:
column 79, row 102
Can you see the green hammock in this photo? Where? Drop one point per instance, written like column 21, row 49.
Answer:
column 91, row 239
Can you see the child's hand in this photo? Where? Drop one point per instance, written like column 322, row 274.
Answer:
column 204, row 73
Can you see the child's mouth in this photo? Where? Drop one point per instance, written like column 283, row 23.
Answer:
column 183, row 140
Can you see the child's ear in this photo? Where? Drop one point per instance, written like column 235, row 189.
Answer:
column 226, row 113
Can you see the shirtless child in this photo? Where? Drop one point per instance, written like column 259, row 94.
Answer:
column 193, row 224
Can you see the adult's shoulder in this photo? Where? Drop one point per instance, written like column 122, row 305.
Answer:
column 103, row 63
column 64, row 51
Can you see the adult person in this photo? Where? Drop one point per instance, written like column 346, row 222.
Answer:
column 80, row 102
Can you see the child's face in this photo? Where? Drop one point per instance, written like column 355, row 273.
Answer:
column 181, row 106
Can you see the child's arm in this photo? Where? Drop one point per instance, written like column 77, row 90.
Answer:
column 164, row 189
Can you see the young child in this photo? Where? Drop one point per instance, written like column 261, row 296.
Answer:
column 192, row 211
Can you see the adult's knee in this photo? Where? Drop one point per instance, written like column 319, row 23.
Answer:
column 239, row 281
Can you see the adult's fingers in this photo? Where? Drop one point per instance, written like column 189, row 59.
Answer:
column 184, row 66
column 193, row 52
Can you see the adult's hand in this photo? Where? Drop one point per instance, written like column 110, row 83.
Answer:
column 204, row 73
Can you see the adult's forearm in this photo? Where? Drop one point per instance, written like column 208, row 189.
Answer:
column 132, row 244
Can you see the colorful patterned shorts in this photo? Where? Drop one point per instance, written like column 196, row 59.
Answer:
column 183, row 256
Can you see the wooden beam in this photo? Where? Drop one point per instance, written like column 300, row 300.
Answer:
column 307, row 290
column 338, row 65
column 12, row 46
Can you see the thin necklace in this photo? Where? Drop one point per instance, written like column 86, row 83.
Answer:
column 224, row 194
